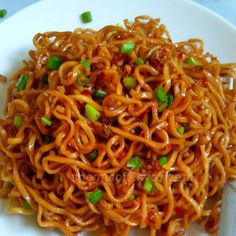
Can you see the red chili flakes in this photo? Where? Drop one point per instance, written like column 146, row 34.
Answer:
column 164, row 50
column 8, row 127
column 155, row 63
column 157, row 165
column 93, row 66
column 73, row 176
column 118, row 58
column 101, row 76
column 169, row 146
column 204, row 82
column 142, row 134
column 179, row 210
column 151, row 216
column 96, row 50
column 86, row 92
column 80, row 106
column 180, row 54
column 121, row 154
column 210, row 223
column 179, row 76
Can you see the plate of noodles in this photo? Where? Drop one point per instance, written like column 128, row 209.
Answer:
column 117, row 118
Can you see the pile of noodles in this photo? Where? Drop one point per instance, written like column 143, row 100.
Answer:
column 53, row 179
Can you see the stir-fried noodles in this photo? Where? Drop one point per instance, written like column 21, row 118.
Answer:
column 118, row 128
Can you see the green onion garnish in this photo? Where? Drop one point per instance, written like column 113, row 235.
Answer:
column 129, row 82
column 3, row 12
column 95, row 196
column 22, row 81
column 160, row 181
column 148, row 184
column 193, row 61
column 162, row 107
column 44, row 79
column 93, row 155
column 180, row 130
column 99, row 94
column 139, row 61
column 47, row 138
column 85, row 64
column 91, row 113
column 127, row 47
column 86, row 17
column 163, row 161
column 26, row 205
column 134, row 163
column 46, row 121
column 83, row 80
column 54, row 62
column 161, row 95
column 17, row 121
column 170, row 99
column 132, row 197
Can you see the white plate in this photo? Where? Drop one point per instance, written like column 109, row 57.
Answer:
column 184, row 19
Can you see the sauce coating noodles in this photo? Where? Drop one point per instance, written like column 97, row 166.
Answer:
column 118, row 128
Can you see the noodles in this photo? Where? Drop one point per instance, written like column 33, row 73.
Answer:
column 118, row 128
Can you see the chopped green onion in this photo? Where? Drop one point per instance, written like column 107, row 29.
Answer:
column 85, row 64
column 91, row 113
column 162, row 107
column 46, row 121
column 22, row 81
column 44, row 79
column 127, row 47
column 132, row 197
column 160, row 181
column 3, row 12
column 134, row 163
column 148, row 184
column 129, row 82
column 162, row 100
column 180, row 130
column 26, row 205
column 163, row 161
column 93, row 155
column 193, row 61
column 139, row 61
column 17, row 121
column 99, row 94
column 83, row 80
column 170, row 99
column 47, row 138
column 161, row 95
column 95, row 196
column 86, row 17
column 54, row 62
